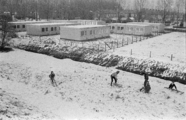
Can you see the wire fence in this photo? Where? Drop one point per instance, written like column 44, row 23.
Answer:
column 105, row 44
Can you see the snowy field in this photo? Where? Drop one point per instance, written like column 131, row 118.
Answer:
column 161, row 48
column 83, row 92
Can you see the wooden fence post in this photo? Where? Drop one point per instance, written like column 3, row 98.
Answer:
column 131, row 52
column 117, row 44
column 105, row 47
column 150, row 54
column 172, row 57
column 127, row 41
column 122, row 42
column 140, row 37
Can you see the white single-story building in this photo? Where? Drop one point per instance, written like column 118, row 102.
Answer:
column 81, row 22
column 132, row 29
column 46, row 28
column 91, row 22
column 84, row 32
column 184, row 24
column 20, row 26
column 156, row 27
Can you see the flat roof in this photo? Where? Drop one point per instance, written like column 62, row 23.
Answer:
column 147, row 23
column 85, row 26
column 117, row 24
column 137, row 24
column 130, row 23
column 46, row 24
column 29, row 22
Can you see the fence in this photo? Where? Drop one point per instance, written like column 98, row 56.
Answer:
column 157, row 55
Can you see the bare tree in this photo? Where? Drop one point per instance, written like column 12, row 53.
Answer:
column 139, row 8
column 5, row 29
column 179, row 8
column 121, row 5
column 165, row 6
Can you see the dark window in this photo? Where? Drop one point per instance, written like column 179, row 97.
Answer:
column 46, row 29
column 17, row 26
column 91, row 32
column 23, row 26
column 85, row 32
column 43, row 29
column 122, row 28
column 51, row 28
column 82, row 33
column 55, row 28
column 113, row 27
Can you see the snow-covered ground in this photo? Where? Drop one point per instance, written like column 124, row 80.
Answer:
column 83, row 92
column 161, row 48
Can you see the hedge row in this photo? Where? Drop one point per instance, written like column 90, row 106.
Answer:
column 173, row 72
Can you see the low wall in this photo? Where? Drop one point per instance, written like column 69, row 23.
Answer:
column 167, row 71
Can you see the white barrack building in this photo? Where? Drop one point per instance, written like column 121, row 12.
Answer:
column 84, row 32
column 20, row 26
column 45, row 29
column 156, row 27
column 131, row 29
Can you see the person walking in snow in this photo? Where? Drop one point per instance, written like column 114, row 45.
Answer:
column 52, row 76
column 172, row 85
column 114, row 77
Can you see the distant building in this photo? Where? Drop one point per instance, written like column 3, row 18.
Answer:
column 81, row 22
column 84, row 32
column 45, row 29
column 20, row 26
column 131, row 29
column 156, row 27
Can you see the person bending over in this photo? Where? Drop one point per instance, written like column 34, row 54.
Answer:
column 172, row 85
column 114, row 77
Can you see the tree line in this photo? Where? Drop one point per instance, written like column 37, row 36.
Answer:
column 87, row 9
column 57, row 9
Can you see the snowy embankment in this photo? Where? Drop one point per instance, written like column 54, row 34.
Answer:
column 83, row 92
column 159, row 69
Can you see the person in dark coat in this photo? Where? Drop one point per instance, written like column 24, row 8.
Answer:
column 146, row 77
column 146, row 84
column 147, row 87
column 52, row 76
column 172, row 85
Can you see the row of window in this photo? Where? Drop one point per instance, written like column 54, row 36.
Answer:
column 52, row 29
column 19, row 26
column 128, row 28
column 92, row 32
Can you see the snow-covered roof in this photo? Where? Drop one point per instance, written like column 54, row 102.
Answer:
column 85, row 26
column 50, row 24
column 22, row 22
